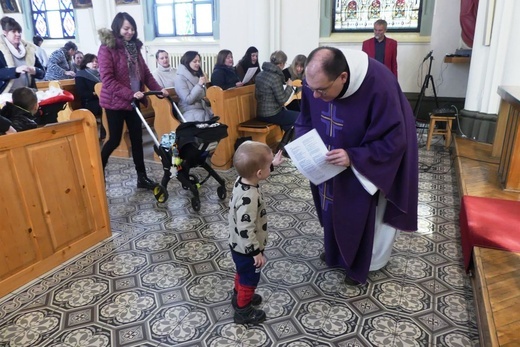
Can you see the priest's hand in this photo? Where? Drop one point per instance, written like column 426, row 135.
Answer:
column 338, row 157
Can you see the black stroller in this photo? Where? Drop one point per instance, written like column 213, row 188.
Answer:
column 189, row 146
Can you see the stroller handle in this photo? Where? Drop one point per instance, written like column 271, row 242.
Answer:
column 153, row 92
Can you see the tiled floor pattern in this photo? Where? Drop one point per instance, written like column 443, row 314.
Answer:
column 165, row 277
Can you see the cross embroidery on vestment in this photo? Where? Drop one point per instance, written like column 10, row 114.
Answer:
column 331, row 121
column 326, row 196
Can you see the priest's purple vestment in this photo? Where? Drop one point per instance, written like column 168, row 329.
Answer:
column 373, row 121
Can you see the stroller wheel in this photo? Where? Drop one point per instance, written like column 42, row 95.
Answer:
column 221, row 192
column 160, row 193
column 195, row 203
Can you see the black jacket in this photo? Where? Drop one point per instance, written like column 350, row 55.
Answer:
column 20, row 118
column 224, row 76
column 85, row 90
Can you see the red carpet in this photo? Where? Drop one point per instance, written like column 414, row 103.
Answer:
column 490, row 223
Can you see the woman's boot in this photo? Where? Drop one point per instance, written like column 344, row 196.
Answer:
column 144, row 182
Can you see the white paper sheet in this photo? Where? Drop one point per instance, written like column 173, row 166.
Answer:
column 249, row 74
column 308, row 154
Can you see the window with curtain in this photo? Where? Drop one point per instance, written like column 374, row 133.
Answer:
column 183, row 17
column 53, row 19
column 360, row 15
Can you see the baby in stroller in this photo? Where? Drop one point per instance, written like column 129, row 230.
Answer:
column 189, row 146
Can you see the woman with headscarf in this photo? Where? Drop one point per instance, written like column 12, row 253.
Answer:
column 19, row 65
column 249, row 60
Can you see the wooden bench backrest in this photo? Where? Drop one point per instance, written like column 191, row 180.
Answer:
column 63, row 209
column 233, row 106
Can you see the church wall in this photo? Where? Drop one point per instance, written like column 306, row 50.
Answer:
column 293, row 26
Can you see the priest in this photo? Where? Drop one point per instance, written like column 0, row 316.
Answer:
column 367, row 125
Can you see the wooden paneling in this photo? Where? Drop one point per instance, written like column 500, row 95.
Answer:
column 53, row 201
column 233, row 106
column 478, row 170
column 509, row 168
column 497, row 292
column 496, row 280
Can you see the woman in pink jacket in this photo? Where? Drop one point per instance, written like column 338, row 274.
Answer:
column 124, row 75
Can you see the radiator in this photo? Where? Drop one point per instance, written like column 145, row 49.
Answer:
column 208, row 61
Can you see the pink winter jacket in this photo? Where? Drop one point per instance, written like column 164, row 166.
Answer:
column 116, row 93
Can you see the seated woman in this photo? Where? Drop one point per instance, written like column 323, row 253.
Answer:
column 19, row 65
column 164, row 74
column 271, row 93
column 86, row 78
column 295, row 72
column 224, row 74
column 249, row 60
column 190, row 86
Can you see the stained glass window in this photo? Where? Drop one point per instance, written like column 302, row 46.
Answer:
column 360, row 15
column 183, row 17
column 53, row 19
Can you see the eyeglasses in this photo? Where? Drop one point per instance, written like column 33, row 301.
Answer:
column 323, row 91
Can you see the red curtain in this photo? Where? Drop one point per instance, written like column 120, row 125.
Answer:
column 468, row 19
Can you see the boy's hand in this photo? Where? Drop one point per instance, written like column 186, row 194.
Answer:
column 259, row 260
column 278, row 159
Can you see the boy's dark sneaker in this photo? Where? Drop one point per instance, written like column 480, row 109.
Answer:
column 248, row 315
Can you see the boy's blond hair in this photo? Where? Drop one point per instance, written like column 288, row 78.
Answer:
column 250, row 157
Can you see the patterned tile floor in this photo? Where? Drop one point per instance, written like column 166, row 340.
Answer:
column 165, row 277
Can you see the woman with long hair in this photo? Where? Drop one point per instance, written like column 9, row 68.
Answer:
column 249, row 60
column 190, row 86
column 124, row 75
column 296, row 69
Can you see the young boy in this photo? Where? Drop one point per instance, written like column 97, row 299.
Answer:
column 22, row 110
column 253, row 162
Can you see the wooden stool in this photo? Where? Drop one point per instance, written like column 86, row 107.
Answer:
column 446, row 132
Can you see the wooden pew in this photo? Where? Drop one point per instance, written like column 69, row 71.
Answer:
column 235, row 107
column 124, row 149
column 54, row 203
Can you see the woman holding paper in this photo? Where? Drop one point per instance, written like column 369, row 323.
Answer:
column 224, row 74
column 248, row 61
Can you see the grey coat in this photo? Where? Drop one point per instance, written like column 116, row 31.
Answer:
column 269, row 91
column 191, row 96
